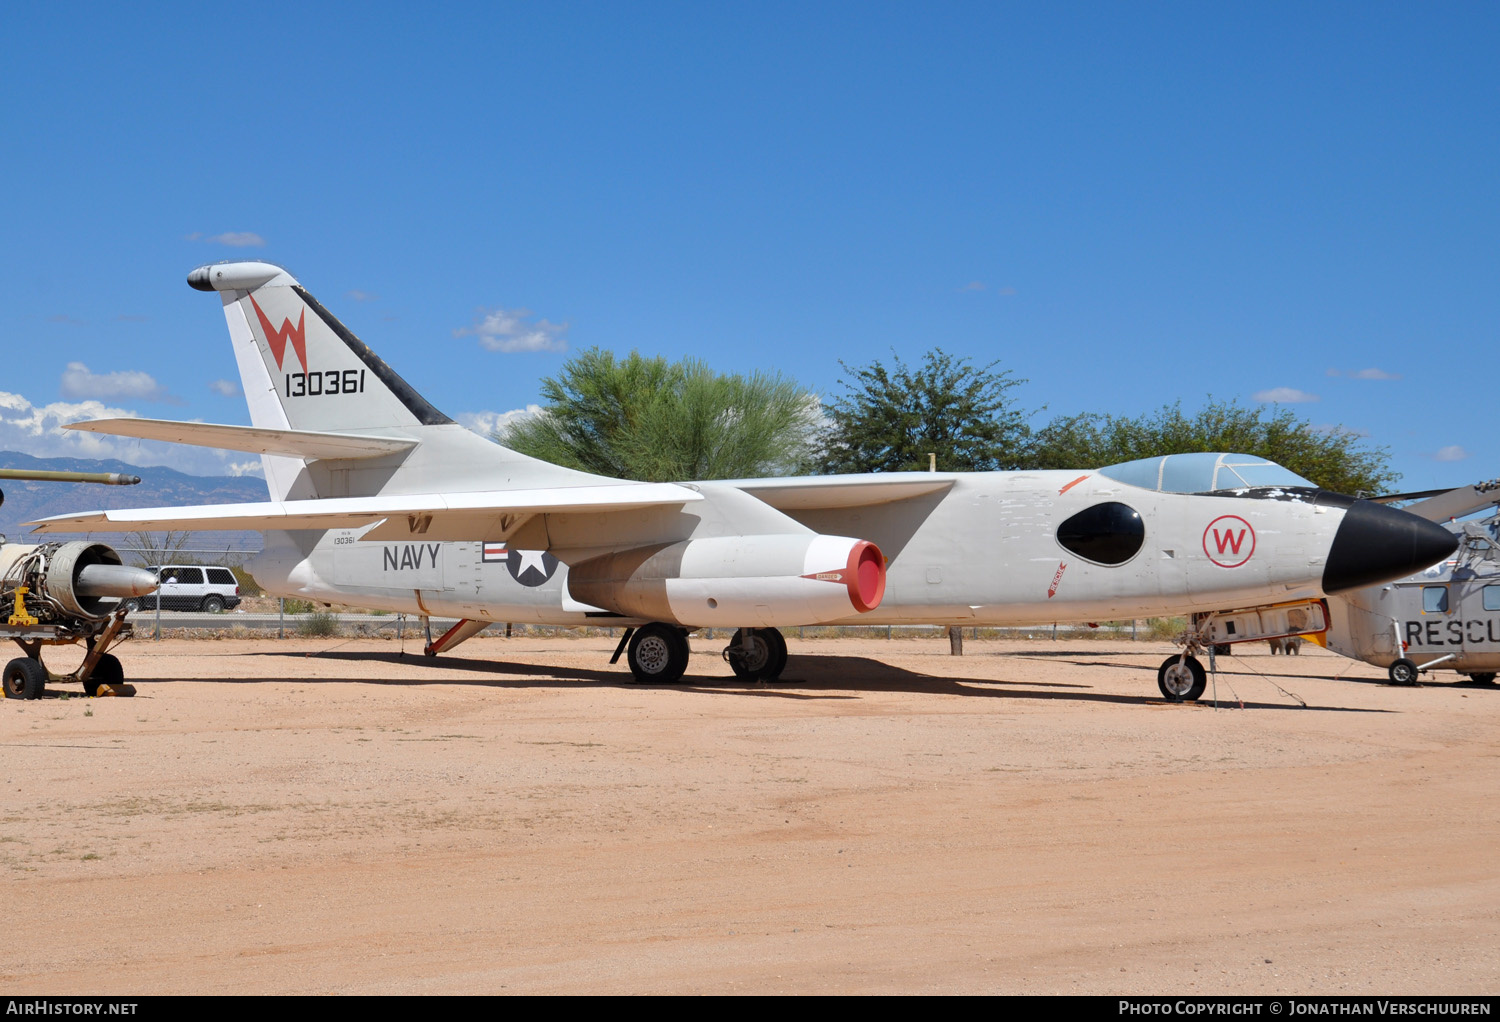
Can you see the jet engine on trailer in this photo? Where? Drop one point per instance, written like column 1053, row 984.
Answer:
column 64, row 593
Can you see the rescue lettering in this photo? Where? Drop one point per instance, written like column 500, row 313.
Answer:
column 1472, row 631
column 411, row 556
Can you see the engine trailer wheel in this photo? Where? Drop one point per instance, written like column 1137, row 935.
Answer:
column 25, row 678
column 107, row 671
column 1482, row 677
column 767, row 657
column 1403, row 672
column 658, row 654
column 1181, row 679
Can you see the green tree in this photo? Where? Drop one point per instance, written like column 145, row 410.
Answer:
column 892, row 417
column 658, row 421
column 1335, row 459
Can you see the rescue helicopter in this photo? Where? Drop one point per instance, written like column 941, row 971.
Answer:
column 1446, row 617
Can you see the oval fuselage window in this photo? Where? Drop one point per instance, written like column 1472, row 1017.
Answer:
column 1109, row 533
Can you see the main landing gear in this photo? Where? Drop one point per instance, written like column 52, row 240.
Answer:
column 658, row 653
column 757, row 654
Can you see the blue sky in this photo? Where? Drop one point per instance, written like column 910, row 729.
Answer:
column 1127, row 204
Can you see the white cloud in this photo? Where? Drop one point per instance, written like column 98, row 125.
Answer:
column 486, row 423
column 1284, row 396
column 37, row 430
column 1453, row 452
column 238, row 239
column 79, row 382
column 508, row 330
column 227, row 388
column 245, row 468
column 1366, row 374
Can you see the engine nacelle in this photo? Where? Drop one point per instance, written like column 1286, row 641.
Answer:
column 78, row 579
column 736, row 581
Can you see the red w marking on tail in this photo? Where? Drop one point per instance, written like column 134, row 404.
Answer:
column 277, row 338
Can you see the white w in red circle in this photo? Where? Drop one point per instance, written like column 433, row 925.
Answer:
column 1229, row 541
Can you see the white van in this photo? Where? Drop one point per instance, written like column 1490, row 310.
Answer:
column 191, row 587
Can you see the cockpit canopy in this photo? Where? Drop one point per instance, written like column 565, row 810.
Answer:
column 1201, row 473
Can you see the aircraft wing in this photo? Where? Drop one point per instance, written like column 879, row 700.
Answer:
column 484, row 514
column 806, row 493
column 298, row 443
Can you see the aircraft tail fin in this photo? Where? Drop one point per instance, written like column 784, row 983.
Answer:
column 301, row 368
column 316, row 391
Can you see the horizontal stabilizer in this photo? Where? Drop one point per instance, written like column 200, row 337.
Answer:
column 487, row 514
column 807, row 493
column 298, row 443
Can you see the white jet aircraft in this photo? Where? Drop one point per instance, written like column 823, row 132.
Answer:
column 380, row 500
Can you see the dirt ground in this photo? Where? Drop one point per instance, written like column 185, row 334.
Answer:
column 331, row 816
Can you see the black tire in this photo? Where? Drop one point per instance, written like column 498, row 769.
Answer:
column 767, row 659
column 1181, row 679
column 213, row 604
column 1403, row 672
column 658, row 654
column 25, row 678
column 778, row 664
column 1482, row 677
column 107, row 671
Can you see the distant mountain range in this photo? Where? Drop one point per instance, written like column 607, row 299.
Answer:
column 159, row 487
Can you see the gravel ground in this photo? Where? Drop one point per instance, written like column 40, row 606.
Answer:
column 332, row 816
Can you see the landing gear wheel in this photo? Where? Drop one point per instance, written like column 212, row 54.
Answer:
column 658, row 654
column 1482, row 677
column 778, row 662
column 767, row 657
column 1403, row 672
column 212, row 604
column 1181, row 679
column 25, row 678
column 106, row 672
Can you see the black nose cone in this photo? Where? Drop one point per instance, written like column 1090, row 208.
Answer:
column 1378, row 544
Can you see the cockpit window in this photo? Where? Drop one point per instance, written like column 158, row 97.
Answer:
column 1109, row 533
column 1203, row 473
